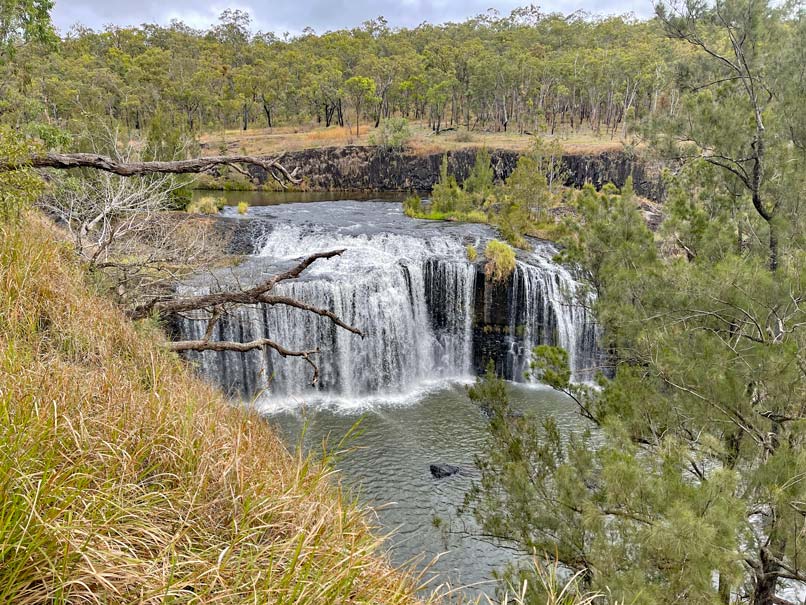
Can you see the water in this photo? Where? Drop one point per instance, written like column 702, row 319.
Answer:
column 427, row 312
column 276, row 198
column 389, row 469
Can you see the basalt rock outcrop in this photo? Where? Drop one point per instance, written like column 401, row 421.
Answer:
column 377, row 169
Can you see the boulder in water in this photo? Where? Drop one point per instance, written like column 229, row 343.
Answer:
column 440, row 471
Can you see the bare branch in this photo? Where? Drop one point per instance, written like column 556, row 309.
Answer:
column 64, row 161
column 244, row 347
column 291, row 302
column 242, row 297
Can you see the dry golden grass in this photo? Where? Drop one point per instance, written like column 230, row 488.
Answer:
column 333, row 135
column 423, row 142
column 126, row 480
column 276, row 140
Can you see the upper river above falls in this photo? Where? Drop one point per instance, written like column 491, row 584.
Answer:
column 432, row 321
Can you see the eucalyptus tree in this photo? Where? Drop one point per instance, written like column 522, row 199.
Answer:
column 361, row 92
column 24, row 20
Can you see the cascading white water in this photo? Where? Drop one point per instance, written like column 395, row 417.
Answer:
column 552, row 308
column 422, row 305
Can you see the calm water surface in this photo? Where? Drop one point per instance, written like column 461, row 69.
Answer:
column 274, row 198
column 388, row 467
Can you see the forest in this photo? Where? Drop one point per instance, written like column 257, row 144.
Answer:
column 672, row 328
column 527, row 72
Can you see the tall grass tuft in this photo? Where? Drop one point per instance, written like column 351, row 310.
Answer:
column 546, row 583
column 126, row 480
column 205, row 204
column 500, row 260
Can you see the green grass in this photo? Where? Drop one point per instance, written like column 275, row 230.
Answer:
column 124, row 479
column 473, row 216
column 500, row 260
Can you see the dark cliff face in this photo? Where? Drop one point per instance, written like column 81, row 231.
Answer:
column 497, row 320
column 376, row 169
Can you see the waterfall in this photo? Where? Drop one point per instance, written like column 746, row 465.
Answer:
column 429, row 315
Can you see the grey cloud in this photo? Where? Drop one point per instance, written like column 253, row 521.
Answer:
column 322, row 15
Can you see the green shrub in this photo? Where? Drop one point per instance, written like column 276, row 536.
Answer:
column 446, row 195
column 472, row 254
column 243, row 207
column 413, row 206
column 475, row 216
column 181, row 198
column 479, row 183
column 18, row 188
column 392, row 133
column 237, row 183
column 500, row 260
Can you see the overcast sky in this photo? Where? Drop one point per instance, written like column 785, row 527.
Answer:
column 294, row 15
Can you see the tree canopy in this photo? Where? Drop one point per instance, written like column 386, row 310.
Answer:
column 688, row 485
column 525, row 72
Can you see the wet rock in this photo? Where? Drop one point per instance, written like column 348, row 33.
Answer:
column 440, row 471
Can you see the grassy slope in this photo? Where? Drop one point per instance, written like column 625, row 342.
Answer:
column 124, row 479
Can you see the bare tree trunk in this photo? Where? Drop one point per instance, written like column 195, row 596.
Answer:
column 267, row 111
column 766, row 579
column 773, row 245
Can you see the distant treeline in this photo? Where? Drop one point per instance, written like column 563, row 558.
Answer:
column 527, row 72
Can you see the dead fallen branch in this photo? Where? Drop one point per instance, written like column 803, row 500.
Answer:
column 244, row 347
column 217, row 303
column 249, row 296
column 65, row 161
